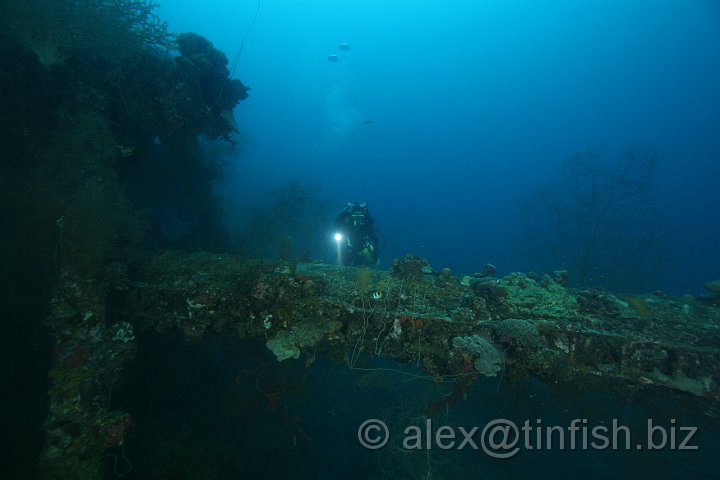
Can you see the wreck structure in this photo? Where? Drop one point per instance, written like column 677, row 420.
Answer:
column 456, row 328
column 102, row 136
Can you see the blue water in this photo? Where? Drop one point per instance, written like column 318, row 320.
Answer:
column 444, row 115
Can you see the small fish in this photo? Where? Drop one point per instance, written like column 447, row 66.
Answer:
column 368, row 122
column 333, row 58
column 344, row 47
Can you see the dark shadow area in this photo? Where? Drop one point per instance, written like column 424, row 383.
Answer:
column 219, row 409
column 25, row 358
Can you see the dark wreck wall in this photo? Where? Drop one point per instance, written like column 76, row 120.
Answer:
column 100, row 106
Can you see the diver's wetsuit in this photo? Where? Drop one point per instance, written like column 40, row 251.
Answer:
column 359, row 243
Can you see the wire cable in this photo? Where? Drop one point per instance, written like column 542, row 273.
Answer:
column 242, row 42
column 236, row 60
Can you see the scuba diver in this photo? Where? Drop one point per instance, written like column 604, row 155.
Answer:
column 355, row 236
